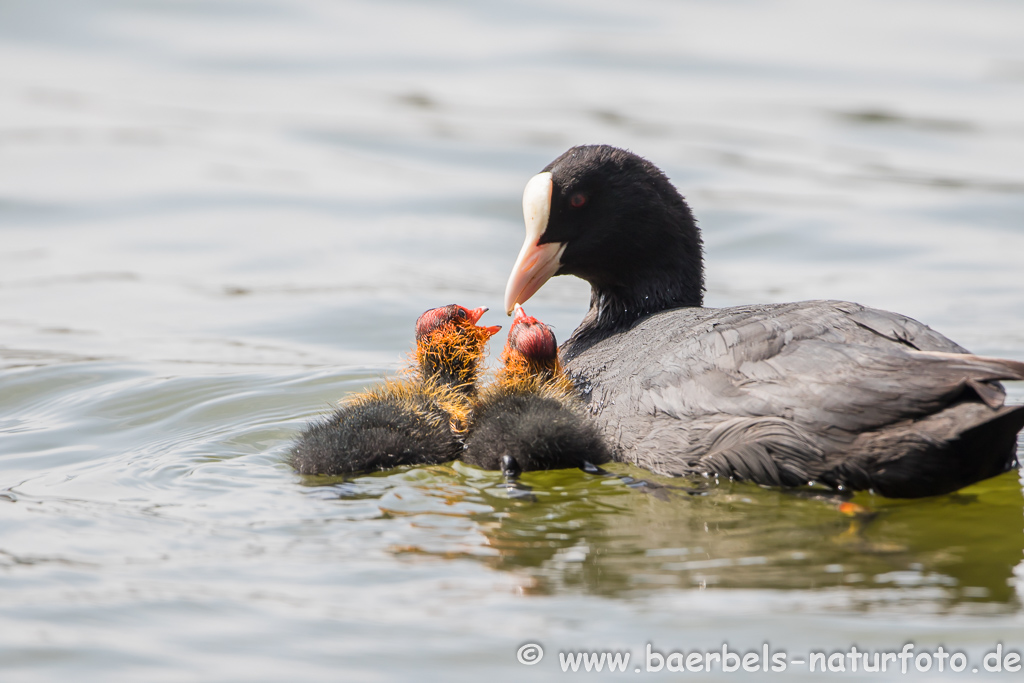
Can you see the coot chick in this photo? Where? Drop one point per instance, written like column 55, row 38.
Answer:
column 416, row 421
column 530, row 418
column 778, row 394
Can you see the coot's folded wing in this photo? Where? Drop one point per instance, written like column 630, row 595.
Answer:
column 770, row 393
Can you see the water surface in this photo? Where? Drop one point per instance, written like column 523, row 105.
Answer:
column 218, row 218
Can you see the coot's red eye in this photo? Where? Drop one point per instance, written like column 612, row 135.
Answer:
column 578, row 200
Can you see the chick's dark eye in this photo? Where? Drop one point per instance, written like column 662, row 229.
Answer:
column 578, row 200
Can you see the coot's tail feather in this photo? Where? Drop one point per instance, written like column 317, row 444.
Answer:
column 960, row 445
column 964, row 443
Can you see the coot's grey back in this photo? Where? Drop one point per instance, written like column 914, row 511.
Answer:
column 780, row 392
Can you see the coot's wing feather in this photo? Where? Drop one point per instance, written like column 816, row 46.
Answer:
column 898, row 328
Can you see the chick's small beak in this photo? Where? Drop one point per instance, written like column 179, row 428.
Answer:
column 474, row 317
column 536, row 263
column 520, row 314
column 476, row 313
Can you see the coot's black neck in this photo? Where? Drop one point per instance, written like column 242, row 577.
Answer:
column 616, row 309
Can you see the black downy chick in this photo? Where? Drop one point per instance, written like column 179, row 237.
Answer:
column 414, row 421
column 531, row 418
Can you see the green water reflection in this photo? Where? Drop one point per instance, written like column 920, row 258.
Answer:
column 577, row 532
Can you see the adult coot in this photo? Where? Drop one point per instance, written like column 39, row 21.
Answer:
column 530, row 418
column 416, row 421
column 778, row 394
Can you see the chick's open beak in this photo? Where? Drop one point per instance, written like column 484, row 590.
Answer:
column 476, row 313
column 473, row 315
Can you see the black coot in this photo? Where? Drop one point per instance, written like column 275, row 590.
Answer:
column 530, row 418
column 780, row 394
column 417, row 421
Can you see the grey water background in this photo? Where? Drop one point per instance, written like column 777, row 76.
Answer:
column 217, row 218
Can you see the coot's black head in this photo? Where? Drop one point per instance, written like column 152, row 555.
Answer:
column 612, row 218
